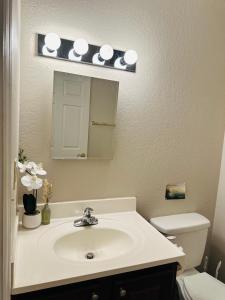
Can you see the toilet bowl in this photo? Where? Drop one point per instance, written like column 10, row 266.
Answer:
column 200, row 286
column 190, row 232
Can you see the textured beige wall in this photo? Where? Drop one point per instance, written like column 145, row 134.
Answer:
column 218, row 233
column 170, row 119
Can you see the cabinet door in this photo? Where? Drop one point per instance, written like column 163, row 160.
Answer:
column 148, row 287
column 98, row 291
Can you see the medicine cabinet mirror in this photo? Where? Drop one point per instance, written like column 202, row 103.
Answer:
column 84, row 112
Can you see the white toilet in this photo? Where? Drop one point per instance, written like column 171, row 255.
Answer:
column 190, row 232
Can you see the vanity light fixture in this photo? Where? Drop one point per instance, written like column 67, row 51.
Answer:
column 80, row 48
column 130, row 58
column 52, row 44
column 105, row 53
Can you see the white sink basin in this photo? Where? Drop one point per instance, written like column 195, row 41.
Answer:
column 106, row 241
column 93, row 243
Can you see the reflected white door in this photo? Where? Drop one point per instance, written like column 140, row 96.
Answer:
column 71, row 104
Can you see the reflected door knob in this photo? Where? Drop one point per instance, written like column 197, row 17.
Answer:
column 81, row 155
column 94, row 296
column 122, row 292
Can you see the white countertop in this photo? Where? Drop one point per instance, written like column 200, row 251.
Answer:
column 37, row 268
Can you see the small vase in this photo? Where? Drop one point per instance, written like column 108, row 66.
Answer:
column 31, row 221
column 45, row 215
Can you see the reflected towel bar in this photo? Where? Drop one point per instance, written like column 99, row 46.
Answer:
column 93, row 123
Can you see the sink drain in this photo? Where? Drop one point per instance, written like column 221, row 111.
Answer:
column 90, row 255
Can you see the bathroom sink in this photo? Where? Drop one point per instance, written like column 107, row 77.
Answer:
column 93, row 243
column 61, row 253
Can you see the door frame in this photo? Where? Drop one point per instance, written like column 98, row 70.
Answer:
column 6, row 185
column 8, row 106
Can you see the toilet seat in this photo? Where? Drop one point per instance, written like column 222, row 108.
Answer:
column 201, row 286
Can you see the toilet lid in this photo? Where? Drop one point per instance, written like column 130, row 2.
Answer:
column 202, row 286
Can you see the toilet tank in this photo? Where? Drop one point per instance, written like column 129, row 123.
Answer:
column 190, row 230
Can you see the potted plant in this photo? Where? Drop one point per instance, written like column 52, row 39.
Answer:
column 32, row 182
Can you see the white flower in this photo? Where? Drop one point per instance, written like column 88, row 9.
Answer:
column 22, row 167
column 31, row 168
column 38, row 170
column 31, row 165
column 31, row 182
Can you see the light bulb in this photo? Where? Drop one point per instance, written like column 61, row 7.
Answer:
column 52, row 41
column 80, row 46
column 97, row 60
column 130, row 57
column 47, row 52
column 119, row 65
column 106, row 52
column 73, row 56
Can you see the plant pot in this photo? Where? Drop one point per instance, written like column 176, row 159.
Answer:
column 31, row 221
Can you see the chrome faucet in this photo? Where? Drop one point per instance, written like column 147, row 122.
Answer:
column 87, row 219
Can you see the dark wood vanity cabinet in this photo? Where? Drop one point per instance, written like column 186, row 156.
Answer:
column 156, row 283
column 150, row 284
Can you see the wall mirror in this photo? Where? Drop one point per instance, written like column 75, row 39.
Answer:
column 84, row 113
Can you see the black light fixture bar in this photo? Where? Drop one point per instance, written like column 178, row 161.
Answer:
column 67, row 45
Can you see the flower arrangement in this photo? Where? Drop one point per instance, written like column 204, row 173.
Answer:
column 31, row 181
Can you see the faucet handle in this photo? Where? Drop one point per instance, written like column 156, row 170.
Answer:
column 88, row 211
